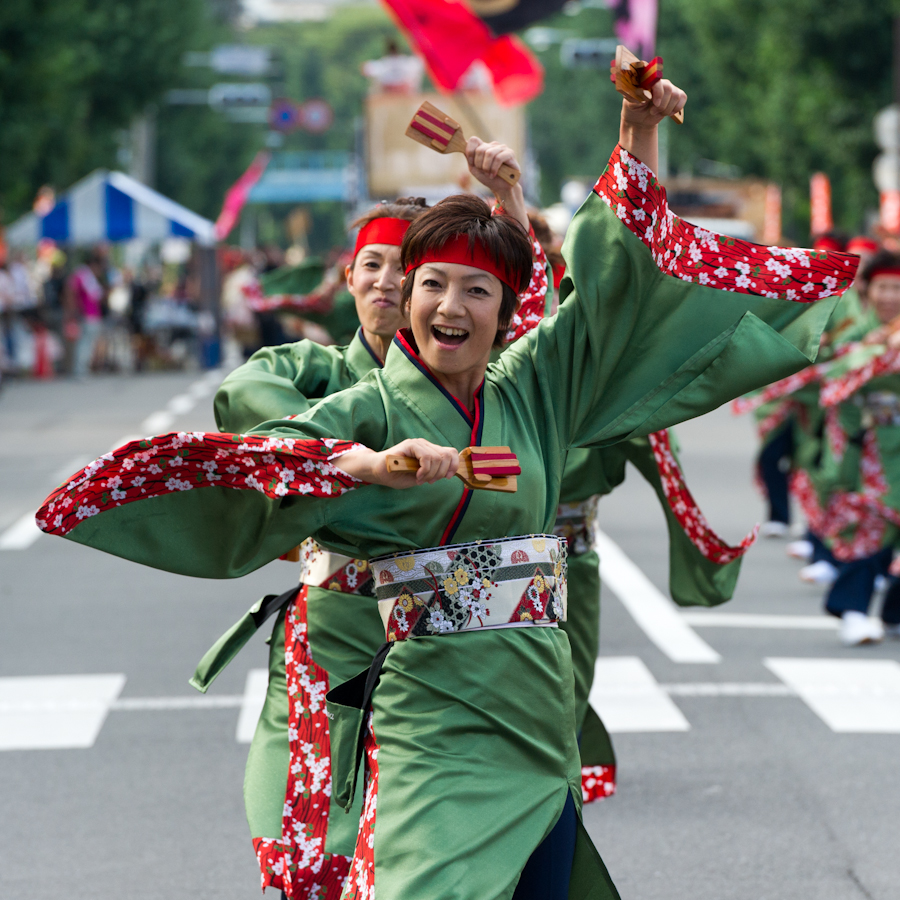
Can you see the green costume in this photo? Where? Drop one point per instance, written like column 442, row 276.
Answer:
column 643, row 340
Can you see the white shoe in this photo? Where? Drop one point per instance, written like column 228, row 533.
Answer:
column 821, row 572
column 802, row 550
column 857, row 628
column 774, row 529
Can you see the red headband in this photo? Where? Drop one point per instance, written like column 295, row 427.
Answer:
column 383, row 230
column 862, row 245
column 893, row 270
column 827, row 242
column 456, row 250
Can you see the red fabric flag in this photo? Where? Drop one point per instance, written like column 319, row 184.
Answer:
column 450, row 37
column 238, row 193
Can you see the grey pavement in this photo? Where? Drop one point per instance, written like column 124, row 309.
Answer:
column 759, row 800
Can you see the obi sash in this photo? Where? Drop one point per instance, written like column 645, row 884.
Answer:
column 322, row 568
column 575, row 523
column 486, row 584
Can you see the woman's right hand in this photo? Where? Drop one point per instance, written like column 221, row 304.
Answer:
column 435, row 463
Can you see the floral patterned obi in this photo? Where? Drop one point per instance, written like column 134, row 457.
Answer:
column 575, row 523
column 486, row 584
column 322, row 568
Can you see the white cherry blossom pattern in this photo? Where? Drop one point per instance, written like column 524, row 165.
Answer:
column 597, row 783
column 685, row 508
column 853, row 523
column 184, row 461
column 694, row 254
column 361, row 883
column 533, row 300
column 298, row 864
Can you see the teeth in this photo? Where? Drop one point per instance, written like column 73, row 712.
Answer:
column 450, row 332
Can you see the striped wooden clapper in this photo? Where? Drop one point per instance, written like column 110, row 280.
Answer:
column 435, row 129
column 633, row 77
column 481, row 468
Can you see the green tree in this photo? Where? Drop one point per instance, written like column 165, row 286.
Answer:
column 74, row 72
column 782, row 90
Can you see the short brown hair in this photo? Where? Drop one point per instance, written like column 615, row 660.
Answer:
column 504, row 240
column 409, row 208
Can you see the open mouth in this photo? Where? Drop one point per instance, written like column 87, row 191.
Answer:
column 449, row 337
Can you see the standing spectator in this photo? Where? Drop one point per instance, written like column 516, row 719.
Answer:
column 7, row 302
column 84, row 310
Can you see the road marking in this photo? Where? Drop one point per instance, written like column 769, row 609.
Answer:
column 252, row 704
column 653, row 612
column 181, row 404
column 728, row 689
column 849, row 695
column 628, row 698
column 21, row 534
column 702, row 619
column 158, row 422
column 159, row 704
column 55, row 711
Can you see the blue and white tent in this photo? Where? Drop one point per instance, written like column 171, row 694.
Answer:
column 110, row 206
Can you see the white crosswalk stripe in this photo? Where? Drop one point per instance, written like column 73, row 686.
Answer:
column 849, row 695
column 252, row 704
column 55, row 711
column 653, row 612
column 628, row 698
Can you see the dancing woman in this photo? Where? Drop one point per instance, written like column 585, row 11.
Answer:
column 471, row 738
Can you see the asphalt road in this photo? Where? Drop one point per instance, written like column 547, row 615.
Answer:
column 737, row 778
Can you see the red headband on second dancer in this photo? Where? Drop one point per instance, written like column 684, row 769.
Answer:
column 456, row 250
column 383, row 230
column 893, row 270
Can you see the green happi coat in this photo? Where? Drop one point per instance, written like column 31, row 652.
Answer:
column 476, row 729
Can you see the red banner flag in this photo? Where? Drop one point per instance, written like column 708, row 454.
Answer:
column 238, row 193
column 450, row 37
column 820, row 221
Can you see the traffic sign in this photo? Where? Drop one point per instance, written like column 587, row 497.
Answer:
column 316, row 116
column 239, row 96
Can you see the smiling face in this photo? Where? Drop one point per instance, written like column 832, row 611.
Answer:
column 374, row 279
column 454, row 315
column 884, row 296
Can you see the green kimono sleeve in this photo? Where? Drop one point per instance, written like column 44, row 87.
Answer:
column 661, row 321
column 277, row 382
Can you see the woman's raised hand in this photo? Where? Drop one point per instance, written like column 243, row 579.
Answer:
column 484, row 161
column 435, row 463
column 667, row 99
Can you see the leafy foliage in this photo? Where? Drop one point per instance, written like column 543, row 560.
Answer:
column 73, row 72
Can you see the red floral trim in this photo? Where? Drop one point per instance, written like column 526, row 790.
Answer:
column 157, row 466
column 836, row 390
column 361, row 883
column 297, row 863
column 317, row 301
column 685, row 508
column 778, row 389
column 597, row 782
column 694, row 254
column 533, row 300
column 776, row 418
column 853, row 522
